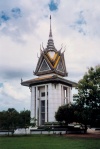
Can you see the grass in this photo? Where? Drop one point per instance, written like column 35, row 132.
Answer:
column 48, row 142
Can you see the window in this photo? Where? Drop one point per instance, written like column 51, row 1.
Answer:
column 65, row 92
column 42, row 94
column 43, row 103
column 42, row 109
column 42, row 112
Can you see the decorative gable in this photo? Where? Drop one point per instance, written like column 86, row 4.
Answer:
column 47, row 64
column 44, row 66
column 60, row 66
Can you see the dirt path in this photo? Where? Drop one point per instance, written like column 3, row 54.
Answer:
column 91, row 133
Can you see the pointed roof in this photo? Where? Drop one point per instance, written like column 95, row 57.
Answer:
column 51, row 60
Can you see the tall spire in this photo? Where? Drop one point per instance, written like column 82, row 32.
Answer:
column 50, row 44
column 50, row 34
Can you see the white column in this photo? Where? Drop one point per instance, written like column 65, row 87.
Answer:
column 32, row 102
column 50, row 96
column 62, row 95
column 37, row 104
column 39, row 107
column 69, row 94
column 59, row 97
column 45, row 103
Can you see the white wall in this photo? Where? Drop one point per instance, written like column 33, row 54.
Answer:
column 55, row 99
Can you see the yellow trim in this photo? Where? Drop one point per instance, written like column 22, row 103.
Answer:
column 48, row 60
column 49, row 56
column 55, row 56
column 53, row 59
column 56, row 62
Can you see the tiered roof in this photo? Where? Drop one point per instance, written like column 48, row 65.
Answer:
column 51, row 60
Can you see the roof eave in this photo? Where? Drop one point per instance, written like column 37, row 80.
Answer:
column 49, row 80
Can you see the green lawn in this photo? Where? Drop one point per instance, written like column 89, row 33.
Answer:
column 48, row 142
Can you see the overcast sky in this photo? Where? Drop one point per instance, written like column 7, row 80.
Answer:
column 24, row 25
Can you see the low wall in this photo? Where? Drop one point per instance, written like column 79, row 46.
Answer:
column 47, row 132
column 5, row 132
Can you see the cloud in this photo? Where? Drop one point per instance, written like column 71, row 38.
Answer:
column 16, row 12
column 22, row 20
column 14, row 73
column 1, row 85
column 80, row 23
column 80, row 19
column 7, row 16
column 10, row 91
column 80, row 10
column 12, row 95
column 17, row 59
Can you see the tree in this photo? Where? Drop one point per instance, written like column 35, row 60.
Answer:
column 86, row 110
column 9, row 119
column 24, row 119
column 89, row 89
column 66, row 114
column 74, row 113
column 89, row 96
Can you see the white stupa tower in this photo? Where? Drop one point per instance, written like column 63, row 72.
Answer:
column 50, row 89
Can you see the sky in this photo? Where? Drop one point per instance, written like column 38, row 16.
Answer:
column 24, row 26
